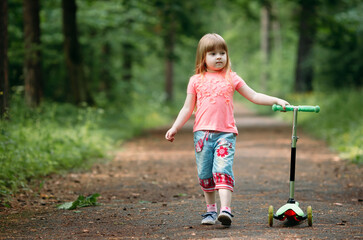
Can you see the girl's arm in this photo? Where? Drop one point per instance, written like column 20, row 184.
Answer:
column 260, row 98
column 182, row 118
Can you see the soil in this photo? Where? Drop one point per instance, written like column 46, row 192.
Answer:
column 150, row 190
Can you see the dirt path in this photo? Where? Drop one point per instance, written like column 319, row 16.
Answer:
column 150, row 191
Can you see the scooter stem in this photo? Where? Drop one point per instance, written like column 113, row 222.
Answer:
column 294, row 139
column 293, row 158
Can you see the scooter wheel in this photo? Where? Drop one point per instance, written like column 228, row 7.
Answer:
column 270, row 215
column 309, row 211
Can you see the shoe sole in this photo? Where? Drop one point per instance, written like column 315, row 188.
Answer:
column 225, row 219
column 208, row 223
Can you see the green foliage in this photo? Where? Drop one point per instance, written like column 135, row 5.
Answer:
column 80, row 202
column 338, row 60
column 57, row 137
column 53, row 137
column 340, row 121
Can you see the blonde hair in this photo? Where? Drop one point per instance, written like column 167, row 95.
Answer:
column 210, row 42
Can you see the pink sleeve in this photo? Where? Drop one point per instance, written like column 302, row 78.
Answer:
column 191, row 88
column 237, row 80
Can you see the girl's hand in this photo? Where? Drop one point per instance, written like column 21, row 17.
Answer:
column 170, row 134
column 183, row 117
column 282, row 102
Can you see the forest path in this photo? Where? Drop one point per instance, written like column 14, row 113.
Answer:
column 151, row 191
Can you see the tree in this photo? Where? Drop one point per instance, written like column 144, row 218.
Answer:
column 266, row 19
column 261, row 12
column 32, row 62
column 128, row 49
column 78, row 86
column 169, row 15
column 169, row 45
column 307, row 29
column 4, row 85
column 177, row 18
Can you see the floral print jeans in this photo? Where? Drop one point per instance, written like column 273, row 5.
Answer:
column 214, row 153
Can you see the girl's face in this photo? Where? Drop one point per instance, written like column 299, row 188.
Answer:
column 216, row 60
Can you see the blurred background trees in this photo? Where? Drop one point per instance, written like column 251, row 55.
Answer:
column 83, row 51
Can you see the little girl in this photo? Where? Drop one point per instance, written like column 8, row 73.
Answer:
column 211, row 90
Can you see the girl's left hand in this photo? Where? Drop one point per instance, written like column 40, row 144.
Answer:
column 282, row 102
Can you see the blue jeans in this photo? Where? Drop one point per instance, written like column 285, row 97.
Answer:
column 214, row 153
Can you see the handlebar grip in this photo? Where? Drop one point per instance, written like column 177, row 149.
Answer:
column 288, row 108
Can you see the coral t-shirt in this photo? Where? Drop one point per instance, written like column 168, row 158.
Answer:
column 214, row 101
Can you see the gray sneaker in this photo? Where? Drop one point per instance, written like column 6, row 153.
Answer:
column 225, row 218
column 209, row 218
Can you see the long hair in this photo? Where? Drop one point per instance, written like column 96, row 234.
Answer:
column 210, row 42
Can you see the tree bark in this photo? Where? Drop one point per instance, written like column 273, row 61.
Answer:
column 105, row 81
column 73, row 57
column 127, row 65
column 276, row 29
column 32, row 63
column 265, row 41
column 128, row 49
column 4, row 84
column 307, row 28
column 169, row 43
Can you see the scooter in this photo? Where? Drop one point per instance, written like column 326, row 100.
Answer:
column 291, row 210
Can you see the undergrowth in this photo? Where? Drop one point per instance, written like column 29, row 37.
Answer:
column 57, row 137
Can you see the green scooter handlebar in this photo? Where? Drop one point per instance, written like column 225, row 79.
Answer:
column 315, row 109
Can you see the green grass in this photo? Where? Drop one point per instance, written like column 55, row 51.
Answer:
column 61, row 137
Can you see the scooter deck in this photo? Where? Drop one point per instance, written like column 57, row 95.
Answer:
column 290, row 211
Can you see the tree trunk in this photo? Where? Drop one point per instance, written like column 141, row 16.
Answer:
column 73, row 57
column 106, row 79
column 276, row 29
column 4, row 84
column 128, row 59
column 307, row 29
column 32, row 63
column 169, row 43
column 265, row 41
column 127, row 63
